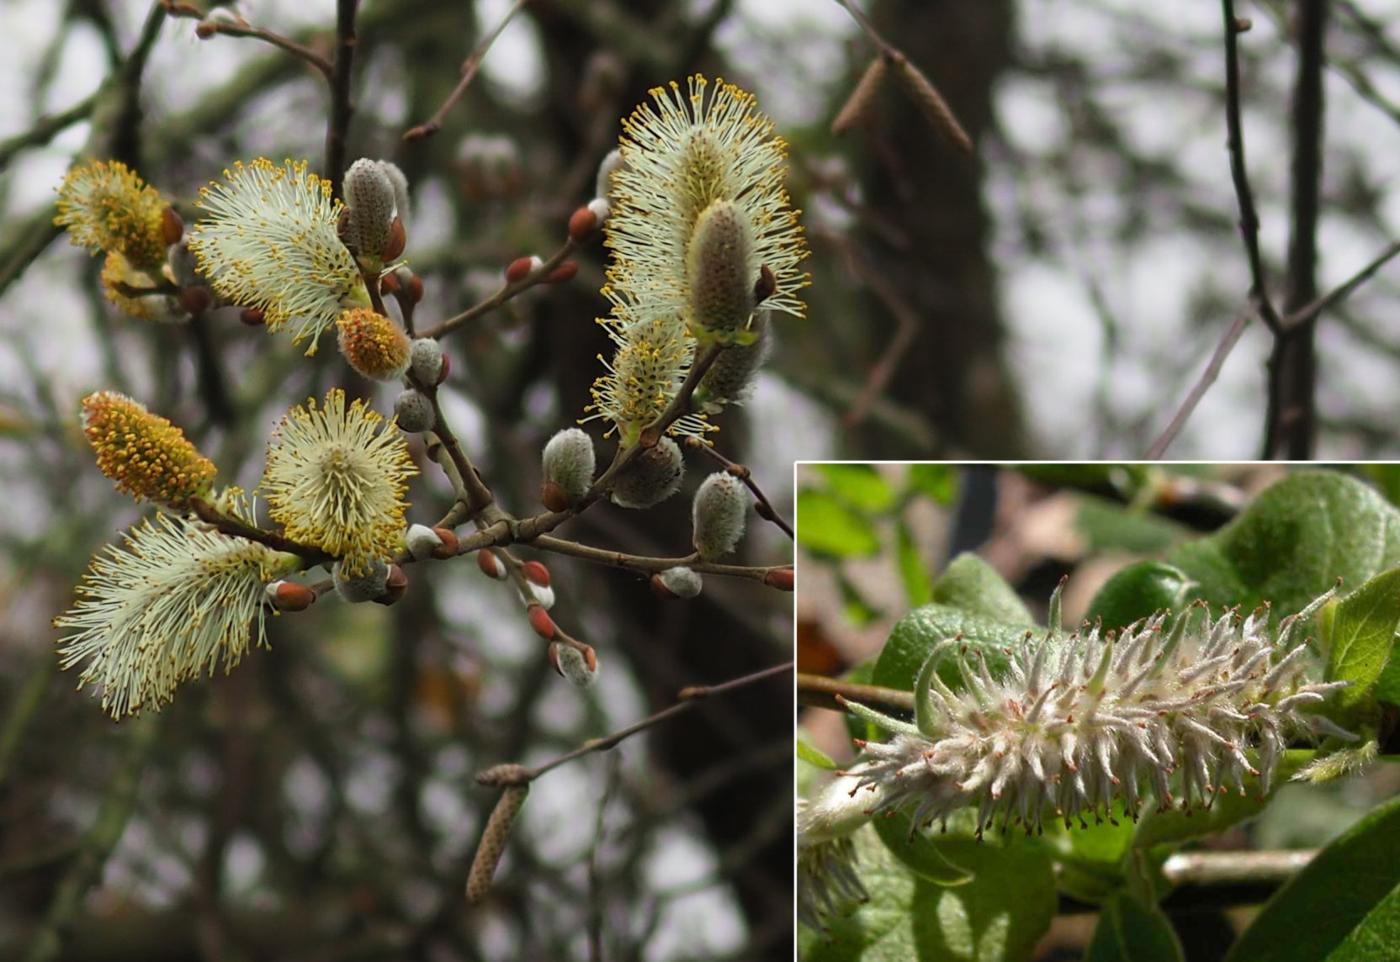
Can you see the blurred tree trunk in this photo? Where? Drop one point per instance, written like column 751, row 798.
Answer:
column 934, row 231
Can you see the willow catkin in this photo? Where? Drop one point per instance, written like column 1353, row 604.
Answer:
column 493, row 842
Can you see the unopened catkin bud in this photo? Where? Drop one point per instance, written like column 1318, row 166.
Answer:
column 490, row 565
column 535, row 594
column 362, row 587
column 425, row 360
column 678, row 582
column 577, row 665
column 400, row 182
column 372, row 344
column 652, row 477
column 540, row 621
column 493, row 842
column 145, row 455
column 370, row 201
column 421, row 541
column 731, row 377
column 290, row 596
column 720, row 268
column 718, row 515
column 414, row 412
column 394, row 586
column 602, row 186
column 568, row 462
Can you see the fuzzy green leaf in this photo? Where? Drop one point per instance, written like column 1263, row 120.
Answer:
column 1129, row 931
column 1139, row 590
column 1362, row 635
column 972, row 585
column 918, row 587
column 1327, row 908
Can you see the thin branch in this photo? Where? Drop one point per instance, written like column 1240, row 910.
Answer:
column 1291, row 417
column 762, row 505
column 236, row 528
column 1230, row 868
column 649, row 565
column 686, row 699
column 1228, row 340
column 469, row 69
column 1309, row 312
column 45, row 129
column 209, row 26
column 341, row 106
column 504, row 294
column 1244, row 195
column 818, row 691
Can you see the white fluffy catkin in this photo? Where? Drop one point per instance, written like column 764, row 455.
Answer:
column 1168, row 706
column 718, row 515
column 569, row 461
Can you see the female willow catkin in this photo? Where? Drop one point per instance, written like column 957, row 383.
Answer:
column 1168, row 706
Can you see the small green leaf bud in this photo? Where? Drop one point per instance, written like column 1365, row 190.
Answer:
column 568, row 462
column 652, row 477
column 718, row 515
column 414, row 411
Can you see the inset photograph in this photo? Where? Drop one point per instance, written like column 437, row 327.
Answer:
column 1098, row 712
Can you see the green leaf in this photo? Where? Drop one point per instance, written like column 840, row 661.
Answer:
column 1139, row 590
column 1294, row 541
column 859, row 485
column 828, row 526
column 813, row 755
column 1319, row 909
column 921, row 629
column 1110, row 526
column 922, row 853
column 1362, row 634
column 918, row 587
column 1129, row 931
column 857, row 610
column 1377, row 935
column 976, row 587
column 936, row 481
column 882, row 929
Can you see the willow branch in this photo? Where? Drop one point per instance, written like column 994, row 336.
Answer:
column 506, row 292
column 469, row 69
column 342, row 108
column 818, row 691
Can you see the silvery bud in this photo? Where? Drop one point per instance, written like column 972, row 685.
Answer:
column 414, row 411
column 568, row 462
column 678, row 582
column 718, row 515
column 652, row 477
column 421, row 540
column 602, row 186
column 579, row 668
column 362, row 587
column 425, row 361
column 370, row 202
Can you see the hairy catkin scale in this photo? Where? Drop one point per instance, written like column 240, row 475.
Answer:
column 652, row 477
column 1169, row 707
column 718, row 515
column 720, row 271
column 569, row 462
column 493, row 842
column 731, row 377
column 578, row 667
column 370, row 201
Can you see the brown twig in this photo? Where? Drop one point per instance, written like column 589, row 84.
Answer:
column 762, row 506
column 469, row 69
column 1239, row 174
column 818, row 691
column 504, row 294
column 209, row 27
column 342, row 108
column 1309, row 312
column 237, row 528
column 649, row 565
column 686, row 699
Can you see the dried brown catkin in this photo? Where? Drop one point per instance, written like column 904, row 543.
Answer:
column 858, row 104
column 931, row 102
column 493, row 842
